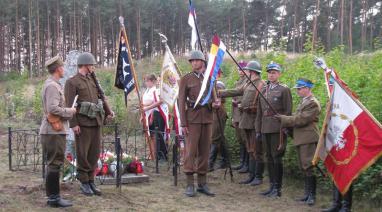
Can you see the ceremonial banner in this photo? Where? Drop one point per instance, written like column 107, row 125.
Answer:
column 124, row 78
column 169, row 87
column 215, row 59
column 191, row 22
column 351, row 140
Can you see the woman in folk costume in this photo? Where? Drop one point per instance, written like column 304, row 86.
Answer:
column 156, row 117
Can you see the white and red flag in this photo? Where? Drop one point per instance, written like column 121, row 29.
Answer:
column 351, row 139
column 192, row 24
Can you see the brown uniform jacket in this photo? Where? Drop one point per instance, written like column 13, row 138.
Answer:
column 304, row 121
column 248, row 102
column 236, row 113
column 53, row 102
column 86, row 89
column 189, row 87
column 280, row 97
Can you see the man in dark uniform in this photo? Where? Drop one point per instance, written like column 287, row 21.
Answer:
column 305, row 134
column 87, row 122
column 196, row 125
column 218, row 134
column 236, row 116
column 248, row 106
column 268, row 128
column 53, row 130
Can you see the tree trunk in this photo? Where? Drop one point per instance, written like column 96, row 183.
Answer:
column 30, row 73
column 139, row 33
column 351, row 27
column 244, row 28
column 38, row 40
column 342, row 22
column 295, row 27
column 329, row 30
column 363, row 30
column 314, row 36
column 17, row 47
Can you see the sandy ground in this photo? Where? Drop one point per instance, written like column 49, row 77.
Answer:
column 23, row 191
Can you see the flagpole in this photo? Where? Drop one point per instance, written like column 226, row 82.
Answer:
column 323, row 133
column 145, row 127
column 196, row 26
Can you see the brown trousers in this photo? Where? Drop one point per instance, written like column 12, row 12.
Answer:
column 53, row 148
column 254, row 147
column 87, row 151
column 239, row 133
column 198, row 143
column 305, row 153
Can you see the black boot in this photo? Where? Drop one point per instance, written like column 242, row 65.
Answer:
column 53, row 190
column 212, row 157
column 336, row 204
column 271, row 174
column 278, row 171
column 203, row 188
column 347, row 201
column 312, row 190
column 245, row 168
column 224, row 158
column 258, row 180
column 306, row 191
column 190, row 189
column 94, row 188
column 242, row 149
column 251, row 175
column 85, row 188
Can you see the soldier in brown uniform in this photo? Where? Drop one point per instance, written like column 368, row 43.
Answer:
column 87, row 122
column 236, row 116
column 196, row 125
column 268, row 128
column 220, row 114
column 53, row 130
column 305, row 134
column 247, row 122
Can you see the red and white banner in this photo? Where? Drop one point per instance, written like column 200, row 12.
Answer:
column 165, row 113
column 352, row 138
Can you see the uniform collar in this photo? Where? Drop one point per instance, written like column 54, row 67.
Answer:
column 87, row 76
column 199, row 74
column 273, row 84
column 54, row 80
column 306, row 98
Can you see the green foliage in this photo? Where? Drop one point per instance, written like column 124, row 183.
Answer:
column 362, row 72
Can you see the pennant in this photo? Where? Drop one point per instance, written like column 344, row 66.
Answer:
column 215, row 59
column 352, row 138
column 191, row 22
column 124, row 78
column 169, row 87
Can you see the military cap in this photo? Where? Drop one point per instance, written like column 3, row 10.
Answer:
column 253, row 65
column 273, row 66
column 302, row 82
column 220, row 85
column 197, row 55
column 56, row 60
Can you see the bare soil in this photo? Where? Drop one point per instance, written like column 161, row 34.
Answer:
column 23, row 191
